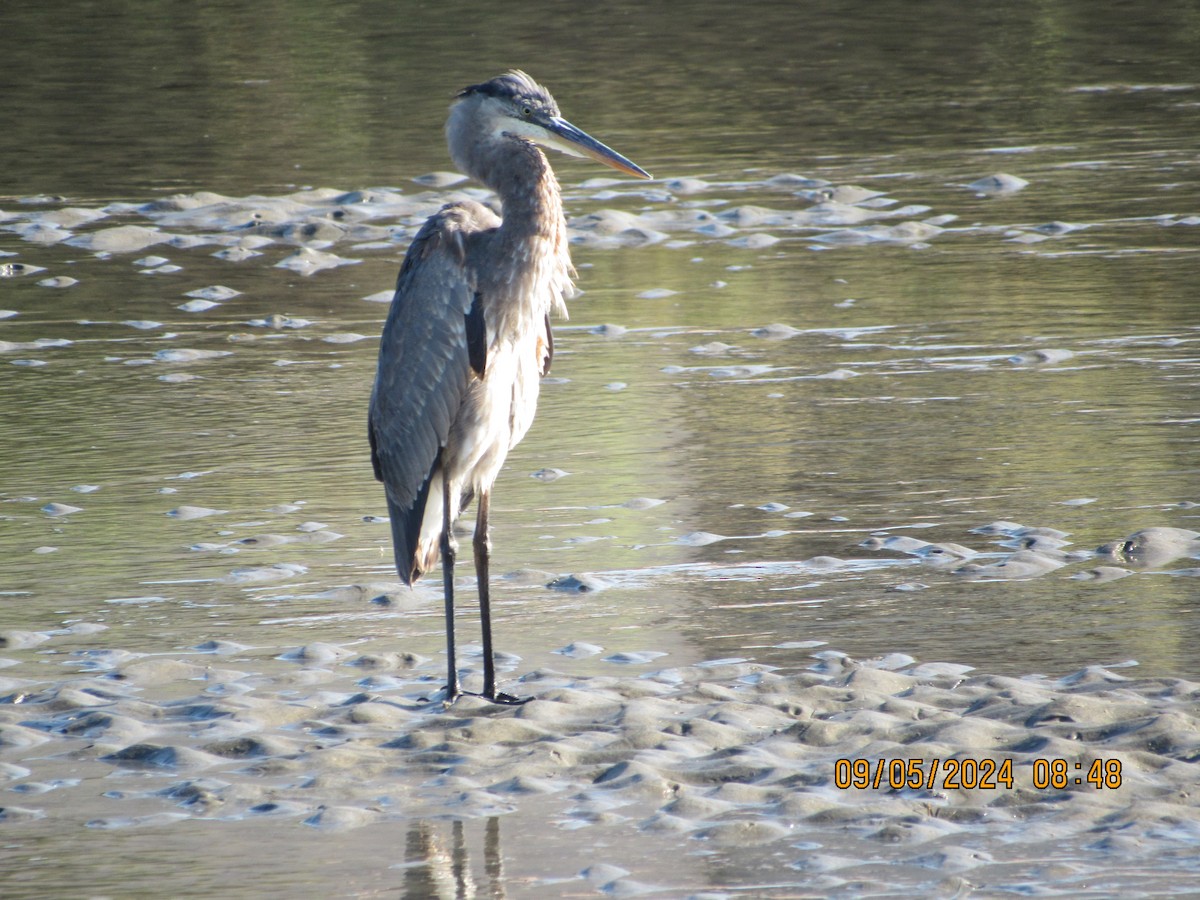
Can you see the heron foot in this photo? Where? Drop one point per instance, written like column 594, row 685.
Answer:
column 448, row 697
column 444, row 696
column 498, row 697
column 506, row 699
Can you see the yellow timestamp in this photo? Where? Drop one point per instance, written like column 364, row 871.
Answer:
column 954, row 774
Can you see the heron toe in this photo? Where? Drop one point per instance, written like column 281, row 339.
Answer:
column 507, row 699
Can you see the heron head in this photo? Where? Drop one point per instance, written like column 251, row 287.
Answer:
column 514, row 105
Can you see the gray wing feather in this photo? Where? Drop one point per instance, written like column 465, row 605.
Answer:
column 424, row 363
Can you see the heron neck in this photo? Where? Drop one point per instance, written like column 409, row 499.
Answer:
column 529, row 194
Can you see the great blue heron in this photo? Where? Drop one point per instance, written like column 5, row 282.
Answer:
column 468, row 338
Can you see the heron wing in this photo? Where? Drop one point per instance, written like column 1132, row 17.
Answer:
column 426, row 355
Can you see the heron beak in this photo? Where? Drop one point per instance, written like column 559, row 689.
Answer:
column 566, row 138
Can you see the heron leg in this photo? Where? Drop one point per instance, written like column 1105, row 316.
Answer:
column 483, row 545
column 449, row 549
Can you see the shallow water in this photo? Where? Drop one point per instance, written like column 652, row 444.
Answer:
column 811, row 364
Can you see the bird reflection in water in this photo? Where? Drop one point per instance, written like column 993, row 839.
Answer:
column 441, row 869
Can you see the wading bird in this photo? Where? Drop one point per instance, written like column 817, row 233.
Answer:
column 467, row 338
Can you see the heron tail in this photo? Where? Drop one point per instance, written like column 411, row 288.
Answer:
column 415, row 556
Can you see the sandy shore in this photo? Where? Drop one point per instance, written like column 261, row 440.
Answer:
column 1041, row 787
column 232, row 770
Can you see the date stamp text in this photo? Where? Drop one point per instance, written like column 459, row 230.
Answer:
column 955, row 774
